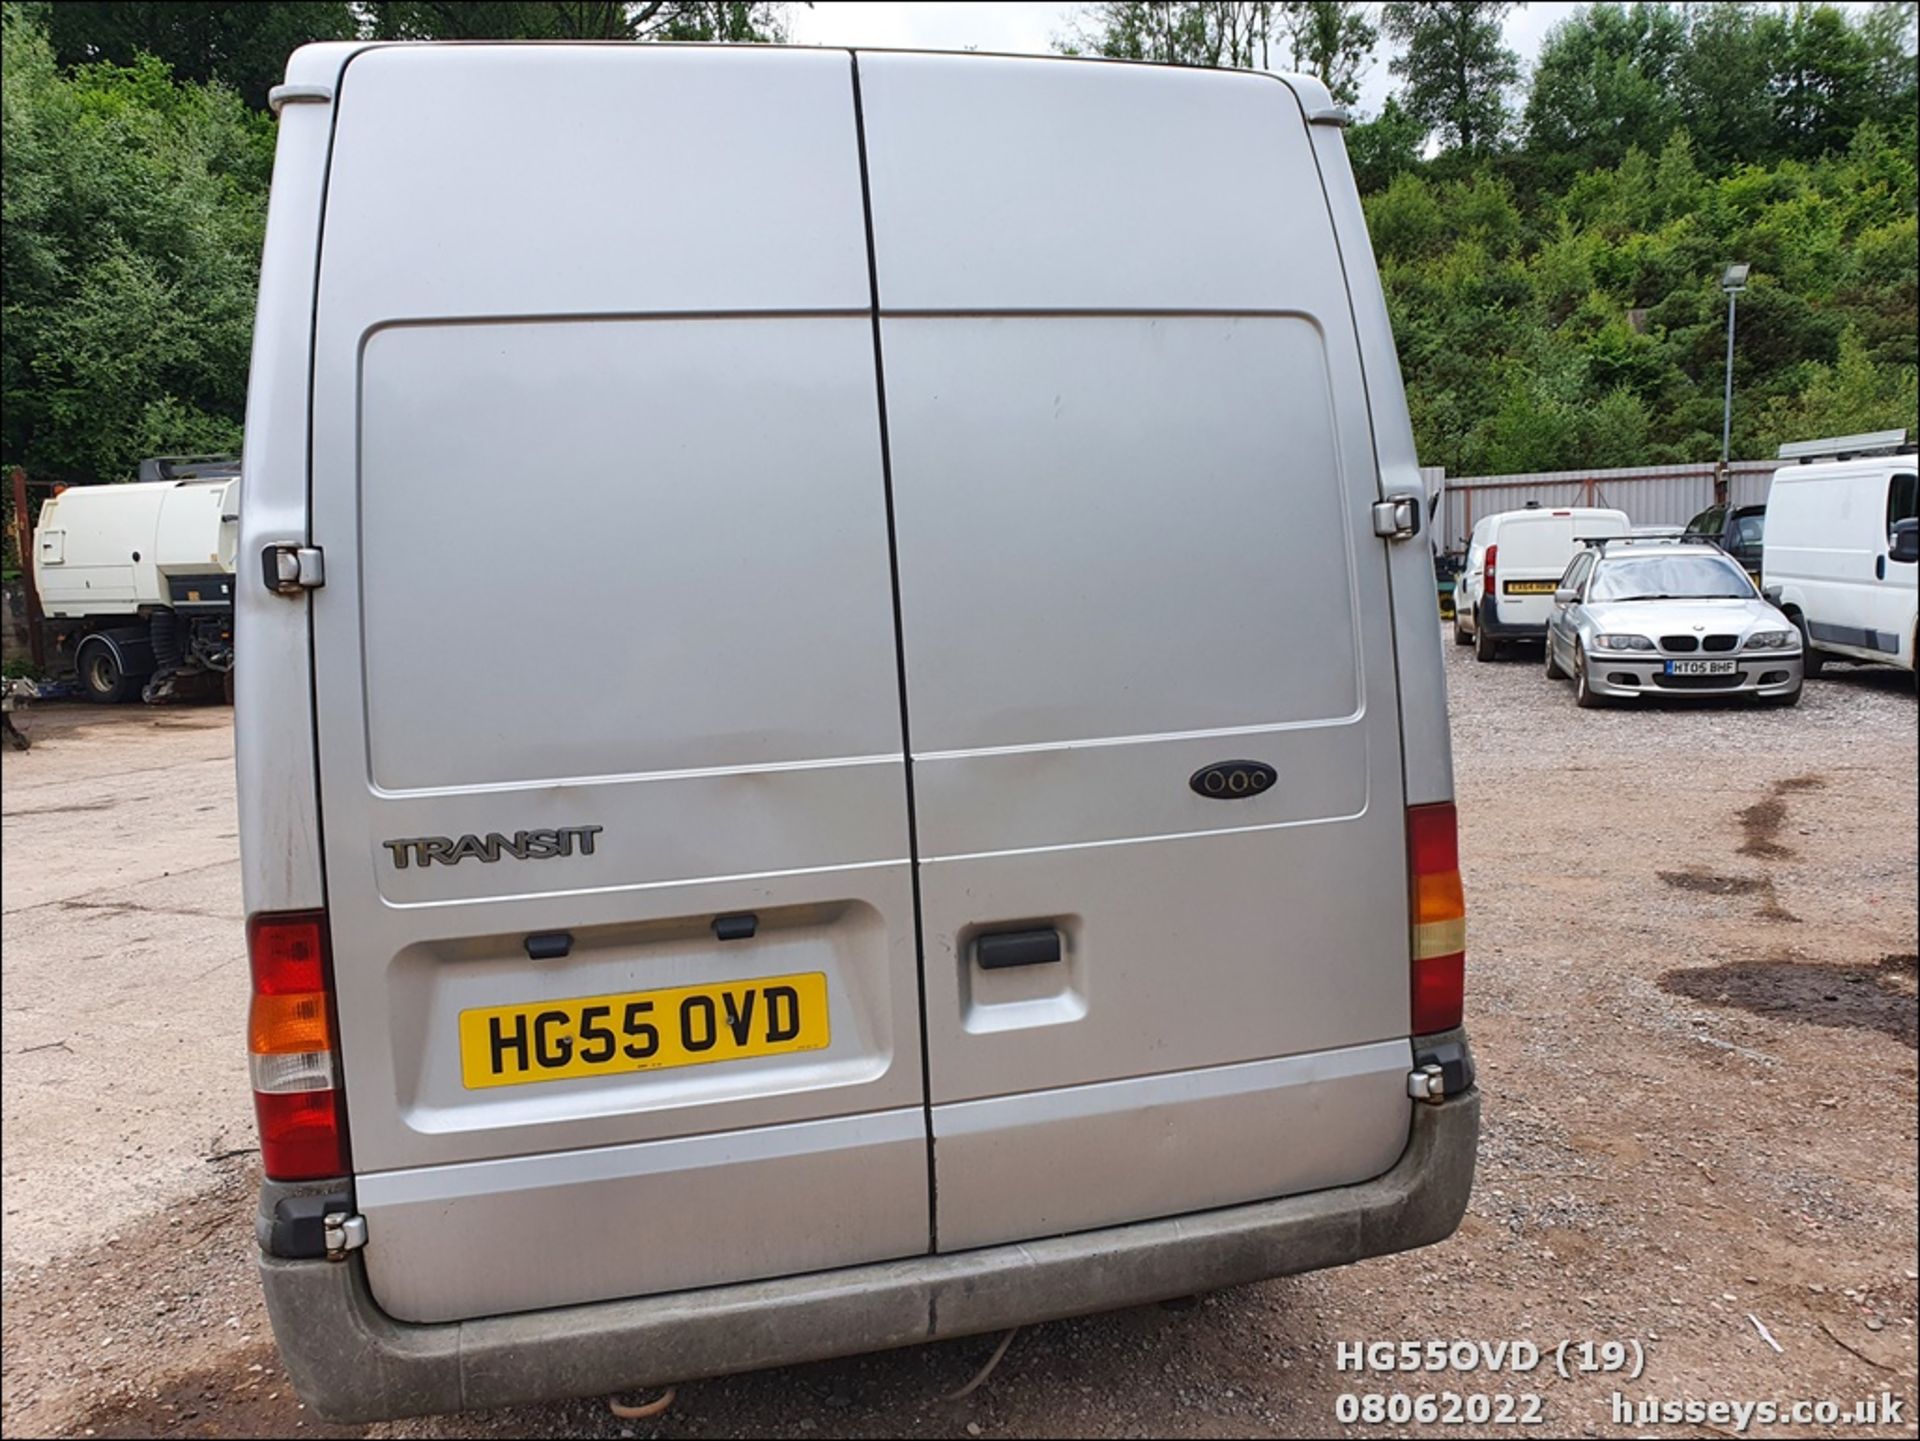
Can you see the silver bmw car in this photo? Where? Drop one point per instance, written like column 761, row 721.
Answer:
column 1653, row 616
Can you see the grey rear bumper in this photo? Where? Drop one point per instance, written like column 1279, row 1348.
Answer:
column 353, row 1363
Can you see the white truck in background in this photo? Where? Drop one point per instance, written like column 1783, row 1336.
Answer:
column 136, row 580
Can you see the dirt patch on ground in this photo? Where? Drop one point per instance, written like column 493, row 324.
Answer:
column 1710, row 884
column 1760, row 822
column 162, row 1325
column 1707, row 883
column 1868, row 997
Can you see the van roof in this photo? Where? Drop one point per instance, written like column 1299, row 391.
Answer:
column 1842, row 469
column 124, row 487
column 1559, row 512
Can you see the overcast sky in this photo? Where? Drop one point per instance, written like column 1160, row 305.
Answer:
column 1029, row 29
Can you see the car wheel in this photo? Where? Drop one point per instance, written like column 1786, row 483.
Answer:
column 101, row 677
column 1553, row 664
column 1583, row 694
column 1460, row 636
column 1485, row 647
column 1812, row 662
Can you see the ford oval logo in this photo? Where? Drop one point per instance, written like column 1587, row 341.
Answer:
column 1233, row 780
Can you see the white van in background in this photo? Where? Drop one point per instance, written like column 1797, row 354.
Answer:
column 1836, row 561
column 923, row 878
column 1514, row 561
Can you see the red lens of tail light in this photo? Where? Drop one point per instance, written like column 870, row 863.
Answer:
column 301, row 1138
column 1439, row 918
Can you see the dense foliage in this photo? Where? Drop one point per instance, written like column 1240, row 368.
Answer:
column 1588, row 327
column 1553, row 266
column 134, row 206
column 137, row 155
column 1552, row 258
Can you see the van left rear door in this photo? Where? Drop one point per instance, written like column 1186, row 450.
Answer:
column 612, row 782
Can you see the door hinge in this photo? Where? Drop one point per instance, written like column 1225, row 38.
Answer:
column 343, row 1233
column 1397, row 518
column 1427, row 1083
column 290, row 569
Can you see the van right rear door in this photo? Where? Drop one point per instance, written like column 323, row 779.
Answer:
column 1132, row 466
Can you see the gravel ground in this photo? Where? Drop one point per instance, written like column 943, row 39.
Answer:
column 1692, row 997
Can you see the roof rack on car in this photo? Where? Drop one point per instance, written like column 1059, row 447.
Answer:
column 1601, row 542
column 1845, row 447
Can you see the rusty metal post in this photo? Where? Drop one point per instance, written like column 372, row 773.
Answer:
column 23, row 547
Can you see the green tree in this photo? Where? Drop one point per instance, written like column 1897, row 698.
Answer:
column 1330, row 39
column 243, row 45
column 1723, row 80
column 1823, row 84
column 1604, row 82
column 1405, row 221
column 1385, row 147
column 575, row 20
column 131, row 216
column 1457, row 70
column 1175, row 32
column 1892, row 32
column 1853, row 395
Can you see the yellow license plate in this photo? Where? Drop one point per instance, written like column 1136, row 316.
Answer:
column 1531, row 587
column 643, row 1030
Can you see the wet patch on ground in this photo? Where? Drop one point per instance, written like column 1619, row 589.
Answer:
column 241, row 1394
column 1710, row 884
column 1760, row 822
column 1874, row 997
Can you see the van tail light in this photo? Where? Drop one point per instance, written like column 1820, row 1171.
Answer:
column 1439, row 917
column 1487, row 587
column 296, row 1083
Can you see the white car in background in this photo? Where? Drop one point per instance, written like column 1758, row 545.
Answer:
column 1514, row 561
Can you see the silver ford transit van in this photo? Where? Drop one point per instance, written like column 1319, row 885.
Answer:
column 841, row 729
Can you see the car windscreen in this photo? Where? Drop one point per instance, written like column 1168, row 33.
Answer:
column 1680, row 577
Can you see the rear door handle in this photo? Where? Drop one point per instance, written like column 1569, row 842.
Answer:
column 1003, row 949
column 1879, row 567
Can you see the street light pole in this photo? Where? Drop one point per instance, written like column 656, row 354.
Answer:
column 1726, row 420
column 1733, row 281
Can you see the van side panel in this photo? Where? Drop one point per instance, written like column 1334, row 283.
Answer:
column 1827, row 558
column 279, row 806
column 1426, row 743
column 1132, row 471
column 598, row 477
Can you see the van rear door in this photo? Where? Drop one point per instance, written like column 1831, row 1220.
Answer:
column 1149, row 659
column 613, row 789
